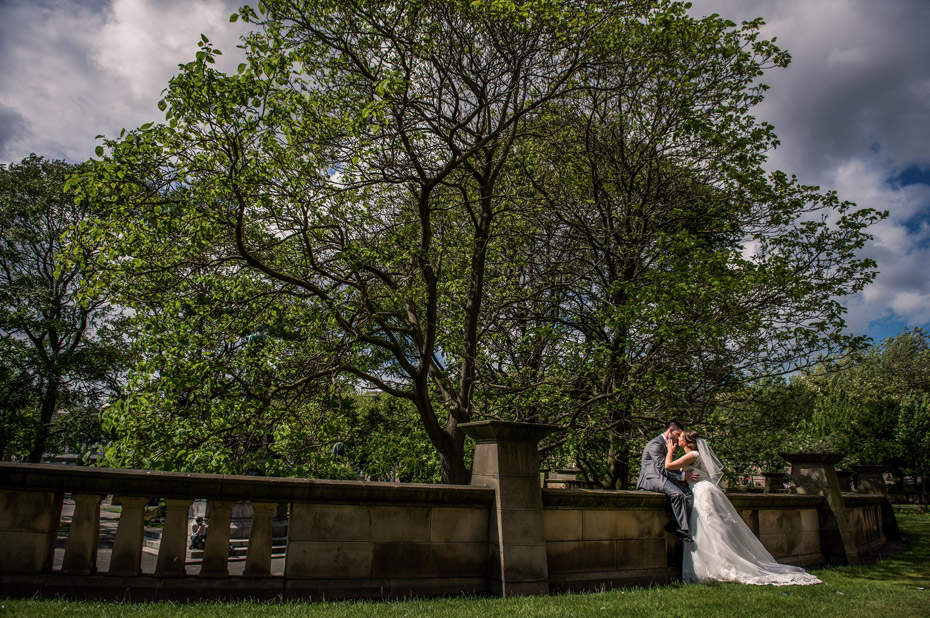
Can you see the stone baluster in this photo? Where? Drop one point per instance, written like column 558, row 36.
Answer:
column 127, row 547
column 172, row 552
column 83, row 536
column 815, row 474
column 216, row 549
column 507, row 460
column 258, row 560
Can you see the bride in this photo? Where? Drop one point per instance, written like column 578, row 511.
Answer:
column 724, row 548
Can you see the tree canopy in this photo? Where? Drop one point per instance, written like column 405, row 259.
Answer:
column 546, row 211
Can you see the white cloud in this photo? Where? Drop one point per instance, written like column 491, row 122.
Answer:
column 143, row 42
column 74, row 70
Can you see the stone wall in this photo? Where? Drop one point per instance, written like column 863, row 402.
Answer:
column 502, row 535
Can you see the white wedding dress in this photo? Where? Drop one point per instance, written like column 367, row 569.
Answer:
column 724, row 548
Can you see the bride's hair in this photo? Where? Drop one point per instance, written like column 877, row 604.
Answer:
column 690, row 437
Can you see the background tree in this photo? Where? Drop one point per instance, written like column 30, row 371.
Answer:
column 59, row 351
column 545, row 211
column 873, row 406
column 669, row 269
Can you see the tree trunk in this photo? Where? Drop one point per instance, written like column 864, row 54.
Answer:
column 49, row 404
column 452, row 457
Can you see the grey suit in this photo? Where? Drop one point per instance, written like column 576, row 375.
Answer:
column 654, row 477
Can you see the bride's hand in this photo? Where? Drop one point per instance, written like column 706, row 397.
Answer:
column 670, row 445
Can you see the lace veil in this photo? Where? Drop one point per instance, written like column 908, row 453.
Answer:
column 709, row 462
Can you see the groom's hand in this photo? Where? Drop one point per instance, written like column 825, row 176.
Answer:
column 692, row 476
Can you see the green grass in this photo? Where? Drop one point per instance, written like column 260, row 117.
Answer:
column 891, row 587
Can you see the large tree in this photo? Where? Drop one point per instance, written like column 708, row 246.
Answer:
column 57, row 330
column 537, row 210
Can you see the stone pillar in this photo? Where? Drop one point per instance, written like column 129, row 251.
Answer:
column 28, row 530
column 127, row 547
column 773, row 481
column 871, row 480
column 172, row 552
column 815, row 474
column 216, row 549
column 258, row 560
column 83, row 535
column 507, row 461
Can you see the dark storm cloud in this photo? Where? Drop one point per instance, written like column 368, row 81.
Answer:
column 13, row 126
column 858, row 82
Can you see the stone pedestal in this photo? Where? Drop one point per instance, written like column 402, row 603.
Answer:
column 871, row 480
column 815, row 474
column 507, row 461
column 845, row 479
column 773, row 481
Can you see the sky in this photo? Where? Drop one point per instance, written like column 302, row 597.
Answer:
column 852, row 110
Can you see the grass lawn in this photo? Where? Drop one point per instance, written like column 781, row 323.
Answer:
column 898, row 586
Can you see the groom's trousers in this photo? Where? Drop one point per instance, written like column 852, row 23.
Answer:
column 679, row 494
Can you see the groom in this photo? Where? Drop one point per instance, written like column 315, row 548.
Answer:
column 654, row 477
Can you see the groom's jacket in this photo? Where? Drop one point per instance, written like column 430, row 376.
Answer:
column 652, row 466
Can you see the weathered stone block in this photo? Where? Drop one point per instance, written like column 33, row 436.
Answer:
column 520, row 493
column 522, row 527
column 26, row 511
column 428, row 560
column 802, row 543
column 400, row 523
column 810, row 520
column 458, row 525
column 329, row 522
column 613, row 524
column 562, row 525
column 24, row 553
column 524, row 563
column 485, row 460
column 775, row 543
column 461, row 559
column 641, row 554
column 581, row 556
column 401, row 559
column 322, row 560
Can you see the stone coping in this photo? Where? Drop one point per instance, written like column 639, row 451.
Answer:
column 869, row 468
column 148, row 483
column 602, row 498
column 863, row 499
column 486, row 431
column 775, row 501
column 624, row 499
column 812, row 458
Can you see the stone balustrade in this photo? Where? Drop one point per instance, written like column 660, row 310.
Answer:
column 502, row 535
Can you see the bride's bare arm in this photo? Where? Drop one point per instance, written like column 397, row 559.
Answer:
column 682, row 462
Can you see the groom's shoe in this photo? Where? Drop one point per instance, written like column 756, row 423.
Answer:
column 671, row 526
